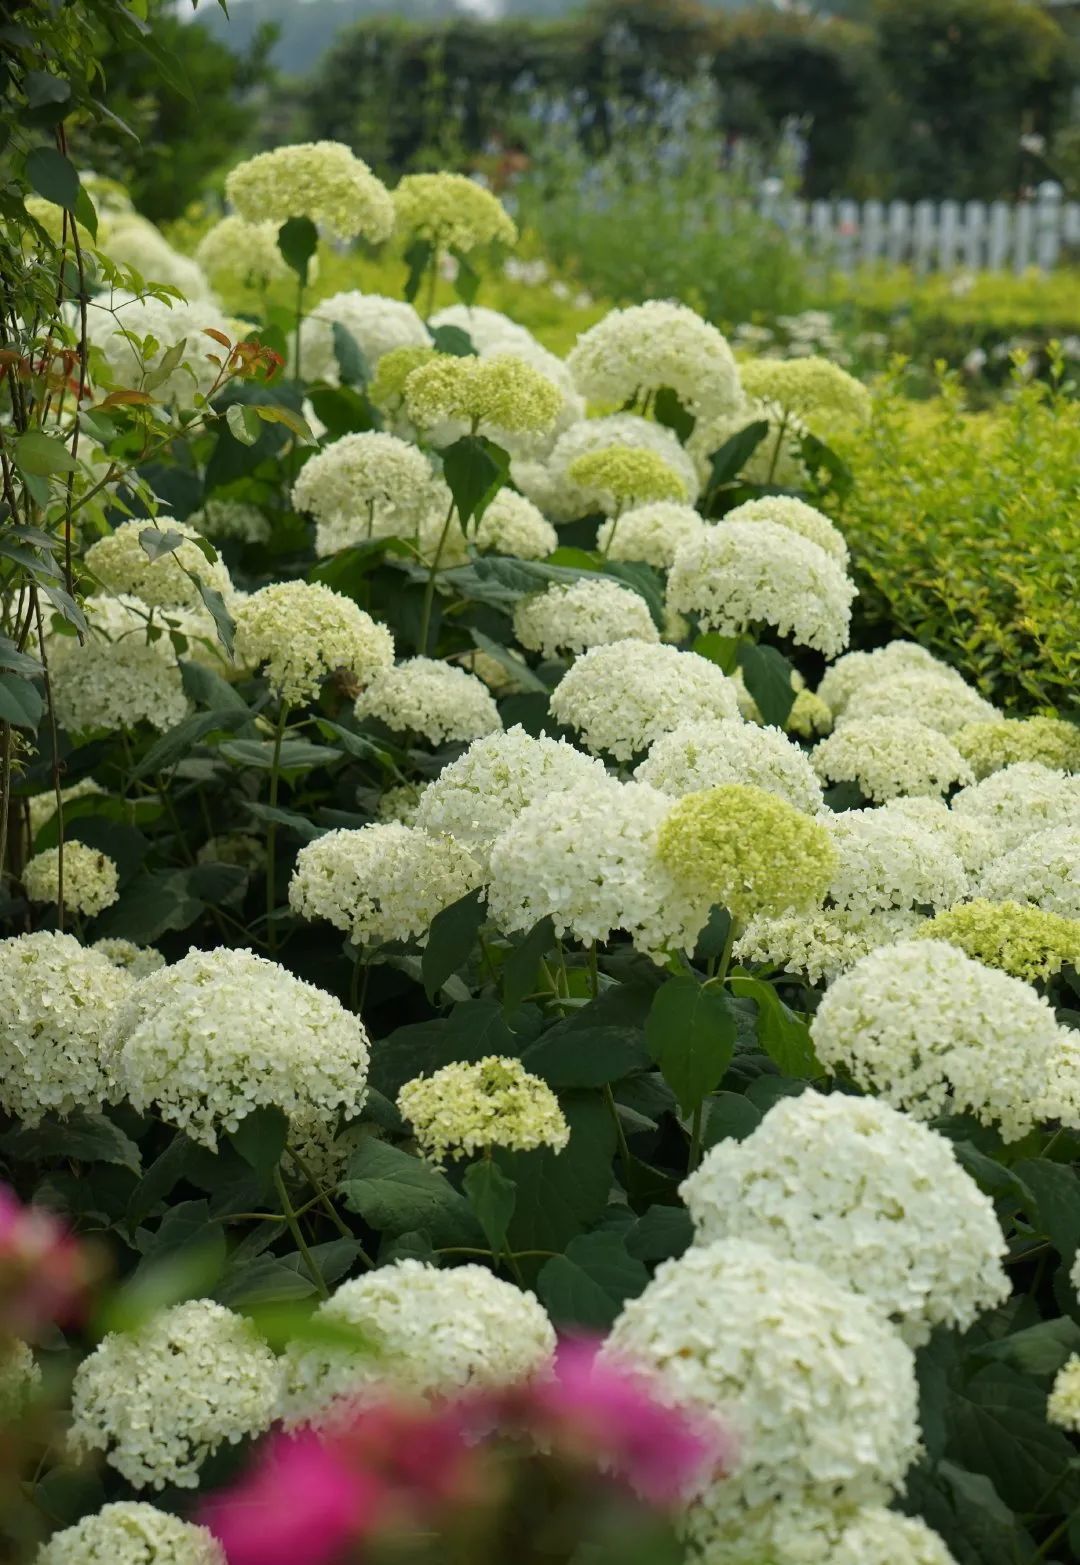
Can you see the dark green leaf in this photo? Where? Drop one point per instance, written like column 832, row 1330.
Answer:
column 150, row 905
column 819, row 458
column 18, row 662
column 53, row 177
column 492, row 1197
column 1056, row 1188
column 86, row 212
column 40, row 88
column 784, row 1036
column 20, row 702
column 86, row 1136
column 454, row 341
column 521, row 674
column 767, row 676
column 260, row 1137
column 660, row 1233
column 40, row 455
column 350, row 361
column 161, row 1178
column 451, row 939
column 226, row 625
column 729, row 461
column 521, row 967
column 343, row 410
column 262, row 1280
column 730, row 1117
column 1037, row 1350
column 721, row 650
column 418, row 257
column 296, row 754
column 243, row 422
column 304, row 829
column 207, row 688
column 602, row 1042
column 669, row 411
column 561, row 1193
column 181, row 740
column 395, row 1193
column 66, row 1494
column 586, row 1287
column 466, row 279
column 691, row 1036
column 475, row 469
column 997, row 1426
column 298, row 240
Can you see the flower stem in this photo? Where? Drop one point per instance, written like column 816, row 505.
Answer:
column 301, row 1243
column 620, row 1133
column 271, row 829
column 429, row 589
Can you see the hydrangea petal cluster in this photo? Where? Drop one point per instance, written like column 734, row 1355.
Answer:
column 738, row 574
column 620, row 476
column 467, row 1108
column 649, row 532
column 90, row 878
column 477, row 796
column 489, row 331
column 452, row 211
column 234, row 520
column 321, row 180
column 134, row 332
column 303, row 631
column 747, row 849
column 938, row 700
column 798, row 517
column 653, row 346
column 817, row 1389
column 588, row 860
column 989, row 746
column 886, row 860
column 574, row 616
column 238, row 254
column 370, row 485
column 1020, row 800
column 810, row 388
column 435, row 1333
column 856, row 669
column 1028, row 942
column 513, row 526
column 623, row 696
column 500, row 393
column 433, row 699
column 888, row 756
column 221, row 1033
column 705, row 754
column 384, row 882
column 934, row 1032
column 809, row 717
column 122, row 565
column 117, row 677
column 161, row 1399
column 548, row 483
column 20, row 1381
column 134, row 960
column 130, row 1532
column 1043, row 870
column 799, row 1534
column 130, row 240
column 974, row 841
column 821, row 944
column 386, row 389
column 42, row 806
column 889, row 1213
column 377, row 325
column 1063, row 1405
column 56, row 998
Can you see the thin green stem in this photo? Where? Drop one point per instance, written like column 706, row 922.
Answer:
column 620, row 1135
column 594, row 971
column 695, row 1139
column 301, row 1243
column 429, row 585
column 432, row 279
column 780, row 433
column 611, row 534
column 299, row 323
column 271, row 829
column 324, row 1200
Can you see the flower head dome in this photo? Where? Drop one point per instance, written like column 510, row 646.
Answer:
column 549, row 484
column 620, row 476
column 119, row 676
column 706, row 754
column 303, row 632
column 820, row 944
column 889, row 756
column 432, row 699
column 1043, row 870
column 237, row 254
column 452, row 211
column 653, row 346
column 1020, row 800
column 513, row 526
column 810, row 388
column 370, row 485
column 856, row 669
column 467, row 1108
column 498, row 395
column 887, row 860
column 651, row 532
column 130, row 1532
column 1028, row 942
column 321, row 180
column 123, row 565
column 90, row 878
column 798, row 517
column 573, row 616
column 938, row 700
column 1049, row 741
column 376, row 325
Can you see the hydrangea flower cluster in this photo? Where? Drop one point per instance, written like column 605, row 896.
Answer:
column 377, row 326
column 134, row 332
column 512, row 525
column 240, row 254
column 501, row 393
column 975, row 842
column 809, row 388
column 1021, row 800
column 370, row 485
column 1027, row 942
column 433, row 699
column 477, row 796
column 589, row 861
column 221, row 1033
column 122, row 565
column 619, row 476
column 738, row 574
column 889, row 1213
column 20, row 1381
column 651, row 532
column 623, row 696
column 821, row 944
column 118, row 676
column 1063, row 1405
column 931, row 1031
column 134, row 960
column 938, row 699
column 383, row 882
column 467, row 1108
column 574, row 616
column 130, row 1532
column 56, row 1000
column 434, row 1333
column 889, row 756
column 705, row 754
column 90, row 878
column 451, row 210
column 886, row 860
column 797, row 517
column 549, row 484
column 42, row 806
column 160, row 1399
column 303, row 631
column 802, row 1534
column 634, row 352
column 1049, row 741
column 1043, row 870
column 233, row 520
column 857, row 669
column 321, row 180
column 747, row 849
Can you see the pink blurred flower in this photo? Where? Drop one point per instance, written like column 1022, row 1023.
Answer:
column 44, row 1271
column 608, row 1414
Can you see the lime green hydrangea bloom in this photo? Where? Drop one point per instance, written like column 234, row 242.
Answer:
column 621, row 476
column 451, row 210
column 321, row 180
column 1028, row 942
column 803, row 388
column 989, row 746
column 500, row 393
column 467, row 1108
column 809, row 716
column 750, row 850
column 387, row 388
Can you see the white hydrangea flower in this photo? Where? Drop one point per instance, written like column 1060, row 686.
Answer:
column 160, row 1399
column 889, row 1213
column 472, row 1106
column 223, row 1032
column 705, row 754
column 887, row 756
column 90, row 878
column 816, row 1388
column 401, row 802
column 974, row 841
column 622, row 697
column 437, row 1333
column 130, row 1532
column 237, row 254
column 133, row 241
column 375, row 323
column 370, row 485
column 939, row 700
column 800, row 1534
column 588, row 861
column 1021, row 800
column 322, row 180
column 117, row 677
column 1063, row 1405
column 477, row 796
column 135, row 960
column 737, row 574
column 56, row 998
column 657, row 345
column 42, row 806
column 549, row 484
column 302, row 631
column 119, row 324
column 20, row 1381
column 573, row 616
column 891, row 861
column 820, row 945
column 651, row 532
column 795, row 514
column 235, row 520
column 512, row 525
column 424, row 696
column 383, row 882
column 1044, row 870
column 856, row 669
column 934, row 1032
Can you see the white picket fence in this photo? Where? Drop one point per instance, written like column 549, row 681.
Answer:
column 932, row 236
